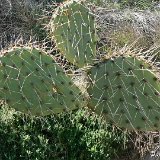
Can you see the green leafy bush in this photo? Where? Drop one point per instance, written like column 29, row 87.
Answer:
column 75, row 136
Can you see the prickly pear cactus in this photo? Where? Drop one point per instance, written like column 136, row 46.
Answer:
column 73, row 30
column 126, row 92
column 31, row 82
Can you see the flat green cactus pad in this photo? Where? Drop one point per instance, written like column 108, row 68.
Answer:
column 127, row 93
column 31, row 82
column 72, row 27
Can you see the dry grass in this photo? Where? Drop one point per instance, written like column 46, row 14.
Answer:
column 124, row 27
column 20, row 20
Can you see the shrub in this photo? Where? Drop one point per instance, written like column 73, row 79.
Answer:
column 77, row 135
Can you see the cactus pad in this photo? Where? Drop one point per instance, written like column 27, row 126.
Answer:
column 31, row 82
column 73, row 30
column 126, row 92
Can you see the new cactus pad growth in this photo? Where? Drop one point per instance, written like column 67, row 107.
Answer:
column 126, row 92
column 32, row 82
column 73, row 30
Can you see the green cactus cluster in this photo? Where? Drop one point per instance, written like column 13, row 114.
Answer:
column 124, row 89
